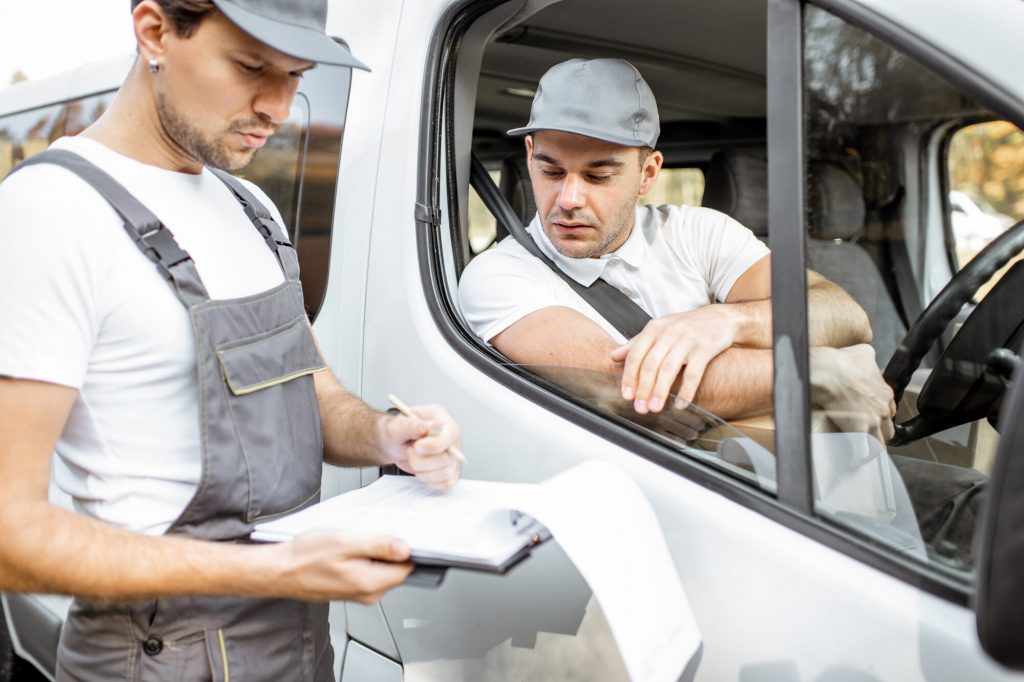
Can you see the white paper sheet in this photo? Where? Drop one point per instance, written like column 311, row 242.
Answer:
column 471, row 520
column 603, row 522
column 605, row 525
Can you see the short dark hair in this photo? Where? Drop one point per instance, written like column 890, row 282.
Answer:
column 645, row 152
column 185, row 15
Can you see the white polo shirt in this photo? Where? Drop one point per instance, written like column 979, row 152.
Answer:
column 677, row 258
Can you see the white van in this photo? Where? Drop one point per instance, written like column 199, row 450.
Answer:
column 836, row 130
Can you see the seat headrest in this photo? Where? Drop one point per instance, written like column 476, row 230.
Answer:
column 836, row 208
column 736, row 184
column 515, row 186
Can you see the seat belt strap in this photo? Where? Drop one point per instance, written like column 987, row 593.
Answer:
column 614, row 306
column 908, row 293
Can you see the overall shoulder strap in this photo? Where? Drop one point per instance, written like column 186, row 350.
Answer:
column 261, row 218
column 618, row 309
column 146, row 231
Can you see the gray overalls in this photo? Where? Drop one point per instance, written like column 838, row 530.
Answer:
column 262, row 454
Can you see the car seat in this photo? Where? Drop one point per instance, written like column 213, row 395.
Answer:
column 736, row 183
column 515, row 187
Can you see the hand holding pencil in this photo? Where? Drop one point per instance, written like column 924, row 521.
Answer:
column 423, row 441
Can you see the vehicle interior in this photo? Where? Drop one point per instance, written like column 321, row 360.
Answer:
column 885, row 141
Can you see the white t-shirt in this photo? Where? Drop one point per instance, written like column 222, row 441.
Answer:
column 677, row 258
column 83, row 307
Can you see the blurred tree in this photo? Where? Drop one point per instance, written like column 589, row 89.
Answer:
column 986, row 160
column 18, row 77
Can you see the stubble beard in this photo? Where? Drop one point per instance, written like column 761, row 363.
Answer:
column 622, row 222
column 189, row 139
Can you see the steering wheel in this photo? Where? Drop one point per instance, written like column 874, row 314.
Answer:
column 942, row 309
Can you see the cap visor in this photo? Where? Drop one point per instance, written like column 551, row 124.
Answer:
column 579, row 130
column 295, row 41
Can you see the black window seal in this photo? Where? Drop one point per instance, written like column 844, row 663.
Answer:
column 442, row 51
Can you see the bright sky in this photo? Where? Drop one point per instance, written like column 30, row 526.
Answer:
column 44, row 38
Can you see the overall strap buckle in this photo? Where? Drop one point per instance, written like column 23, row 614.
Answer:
column 160, row 247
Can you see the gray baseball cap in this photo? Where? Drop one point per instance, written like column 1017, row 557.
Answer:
column 295, row 27
column 606, row 99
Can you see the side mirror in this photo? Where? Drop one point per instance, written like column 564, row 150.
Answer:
column 999, row 607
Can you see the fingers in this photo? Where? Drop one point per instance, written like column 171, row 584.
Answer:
column 660, row 366
column 371, row 580
column 619, row 354
column 430, row 457
column 380, row 547
column 434, row 430
column 651, row 367
column 692, row 376
column 653, row 358
column 402, row 429
column 638, row 347
column 422, row 445
column 888, row 429
column 326, row 565
column 658, row 372
column 440, row 471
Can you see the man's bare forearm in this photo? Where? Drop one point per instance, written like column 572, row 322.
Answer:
column 737, row 383
column 834, row 318
column 48, row 549
column 351, row 428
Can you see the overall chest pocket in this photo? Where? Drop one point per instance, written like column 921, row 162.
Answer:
column 273, row 404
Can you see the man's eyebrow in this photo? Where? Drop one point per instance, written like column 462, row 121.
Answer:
column 611, row 162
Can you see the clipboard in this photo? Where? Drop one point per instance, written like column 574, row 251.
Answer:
column 430, row 572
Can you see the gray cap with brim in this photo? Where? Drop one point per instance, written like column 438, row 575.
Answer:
column 606, row 99
column 296, row 28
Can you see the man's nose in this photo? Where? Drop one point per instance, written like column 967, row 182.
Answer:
column 571, row 195
column 274, row 100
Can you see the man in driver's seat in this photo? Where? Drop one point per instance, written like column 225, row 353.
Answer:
column 702, row 277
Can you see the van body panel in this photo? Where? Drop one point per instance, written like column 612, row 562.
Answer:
column 340, row 324
column 365, row 665
column 39, row 619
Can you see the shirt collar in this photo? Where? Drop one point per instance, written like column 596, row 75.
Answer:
column 587, row 270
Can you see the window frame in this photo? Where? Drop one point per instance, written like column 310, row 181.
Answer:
column 793, row 506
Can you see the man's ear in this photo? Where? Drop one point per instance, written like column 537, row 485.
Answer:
column 528, row 141
column 151, row 29
column 649, row 173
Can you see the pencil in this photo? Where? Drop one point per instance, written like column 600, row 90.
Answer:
column 404, row 409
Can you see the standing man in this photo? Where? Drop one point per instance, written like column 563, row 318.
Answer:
column 703, row 278
column 157, row 350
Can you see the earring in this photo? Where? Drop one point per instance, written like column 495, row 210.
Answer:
column 154, row 65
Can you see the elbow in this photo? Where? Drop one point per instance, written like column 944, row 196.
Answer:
column 862, row 331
